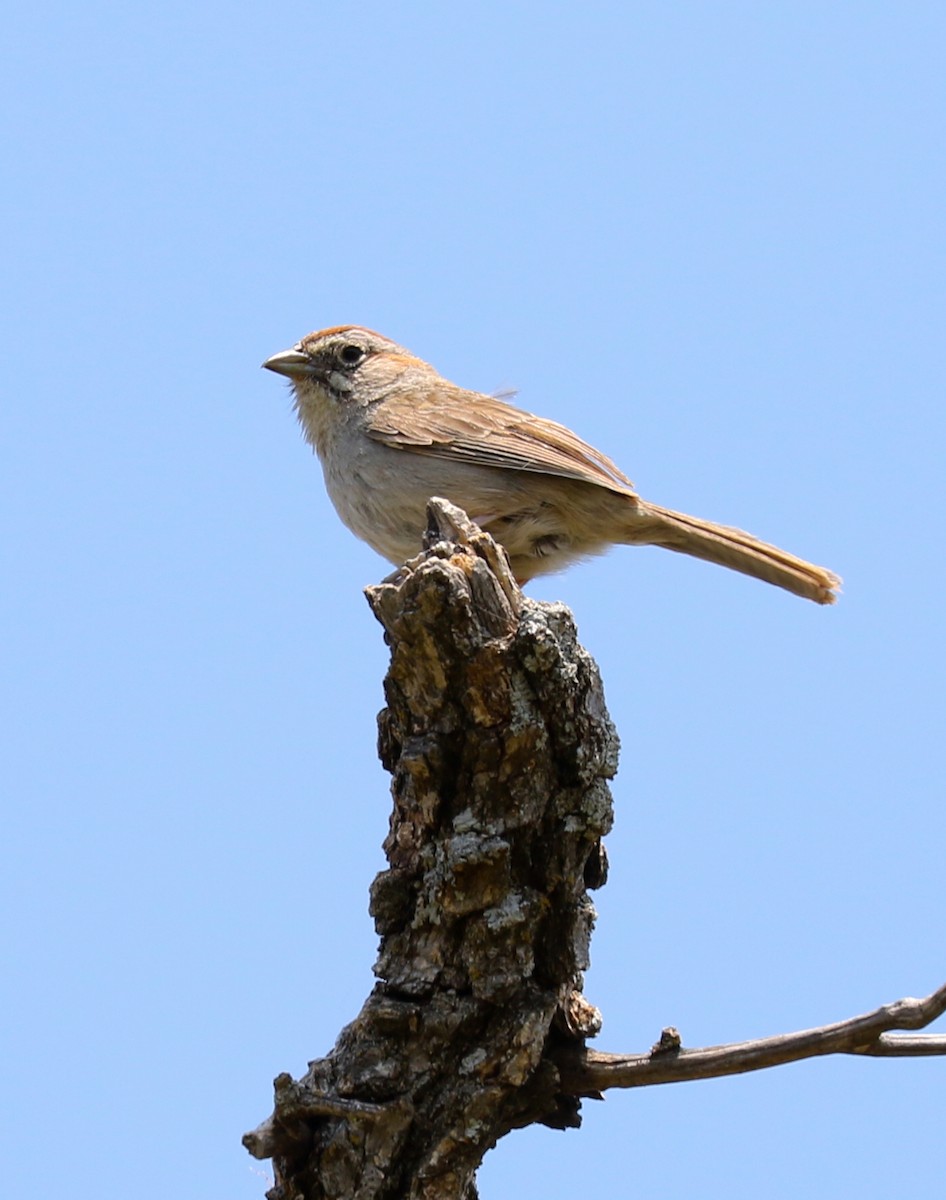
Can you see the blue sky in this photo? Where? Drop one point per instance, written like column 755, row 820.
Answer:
column 708, row 237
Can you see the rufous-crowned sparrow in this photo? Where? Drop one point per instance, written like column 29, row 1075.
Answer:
column 391, row 433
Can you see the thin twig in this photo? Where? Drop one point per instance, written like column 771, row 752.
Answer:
column 869, row 1034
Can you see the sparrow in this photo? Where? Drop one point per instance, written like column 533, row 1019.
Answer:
column 391, row 432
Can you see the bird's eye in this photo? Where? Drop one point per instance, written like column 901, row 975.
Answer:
column 351, row 355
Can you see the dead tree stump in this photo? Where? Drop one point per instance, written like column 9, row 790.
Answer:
column 500, row 745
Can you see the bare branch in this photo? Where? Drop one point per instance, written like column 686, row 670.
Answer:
column 890, row 1045
column 500, row 747
column 590, row 1072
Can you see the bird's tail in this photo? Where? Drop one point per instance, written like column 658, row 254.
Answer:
column 732, row 548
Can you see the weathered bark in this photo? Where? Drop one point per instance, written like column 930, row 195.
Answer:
column 499, row 744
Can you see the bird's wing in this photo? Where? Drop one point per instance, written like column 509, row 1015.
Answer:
column 474, row 428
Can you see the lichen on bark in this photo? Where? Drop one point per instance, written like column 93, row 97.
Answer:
column 499, row 744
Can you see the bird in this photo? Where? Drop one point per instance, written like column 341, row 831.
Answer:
column 391, row 433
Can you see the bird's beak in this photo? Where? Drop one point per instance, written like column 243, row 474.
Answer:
column 289, row 362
